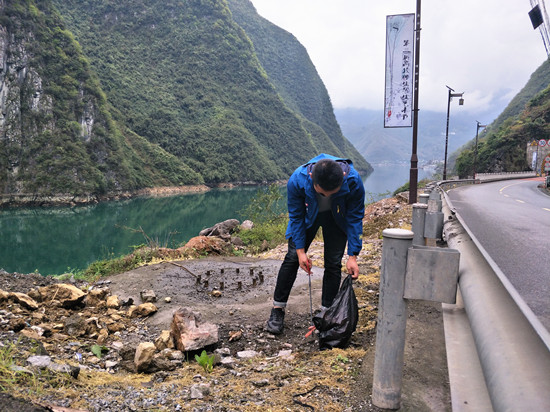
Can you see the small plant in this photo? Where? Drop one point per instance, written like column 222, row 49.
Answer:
column 206, row 361
column 98, row 350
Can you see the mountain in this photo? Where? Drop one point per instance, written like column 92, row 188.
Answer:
column 296, row 80
column 101, row 96
column 186, row 76
column 365, row 129
column 57, row 133
column 502, row 146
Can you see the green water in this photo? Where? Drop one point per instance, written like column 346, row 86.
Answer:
column 56, row 240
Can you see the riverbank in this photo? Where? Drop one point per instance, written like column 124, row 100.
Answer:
column 28, row 200
column 256, row 371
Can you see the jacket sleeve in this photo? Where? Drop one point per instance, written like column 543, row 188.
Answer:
column 296, row 201
column 356, row 213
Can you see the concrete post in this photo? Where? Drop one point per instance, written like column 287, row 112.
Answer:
column 418, row 222
column 423, row 198
column 392, row 320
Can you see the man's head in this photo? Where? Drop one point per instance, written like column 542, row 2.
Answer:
column 328, row 176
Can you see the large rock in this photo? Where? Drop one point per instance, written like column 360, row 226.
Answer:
column 144, row 355
column 69, row 295
column 190, row 333
column 222, row 229
column 23, row 300
column 201, row 245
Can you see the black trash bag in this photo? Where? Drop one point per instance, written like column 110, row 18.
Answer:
column 337, row 323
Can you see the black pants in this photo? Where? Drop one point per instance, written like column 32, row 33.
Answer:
column 334, row 240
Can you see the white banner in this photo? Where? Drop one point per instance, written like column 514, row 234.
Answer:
column 398, row 98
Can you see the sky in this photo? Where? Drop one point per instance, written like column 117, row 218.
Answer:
column 485, row 48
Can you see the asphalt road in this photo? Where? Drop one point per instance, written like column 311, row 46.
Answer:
column 511, row 220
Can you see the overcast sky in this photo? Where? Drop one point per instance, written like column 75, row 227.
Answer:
column 480, row 47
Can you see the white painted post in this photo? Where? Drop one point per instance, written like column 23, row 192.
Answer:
column 392, row 320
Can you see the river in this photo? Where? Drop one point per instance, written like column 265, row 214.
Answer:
column 60, row 239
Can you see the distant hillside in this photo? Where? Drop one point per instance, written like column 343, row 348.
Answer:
column 56, row 128
column 365, row 129
column 296, row 80
column 502, row 147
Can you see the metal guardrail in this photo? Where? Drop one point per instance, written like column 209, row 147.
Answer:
column 512, row 345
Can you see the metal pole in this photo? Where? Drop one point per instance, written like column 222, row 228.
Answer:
column 392, row 320
column 413, row 177
column 447, row 133
column 418, row 223
column 475, row 153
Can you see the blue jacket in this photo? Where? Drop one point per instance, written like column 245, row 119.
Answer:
column 348, row 205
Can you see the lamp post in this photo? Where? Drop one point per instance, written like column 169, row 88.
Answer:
column 460, row 102
column 479, row 125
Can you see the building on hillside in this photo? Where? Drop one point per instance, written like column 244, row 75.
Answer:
column 538, row 155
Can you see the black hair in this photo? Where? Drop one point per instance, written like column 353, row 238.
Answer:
column 328, row 174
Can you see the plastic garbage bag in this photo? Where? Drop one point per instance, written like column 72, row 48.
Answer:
column 337, row 323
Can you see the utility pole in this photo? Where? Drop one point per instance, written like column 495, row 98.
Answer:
column 413, row 177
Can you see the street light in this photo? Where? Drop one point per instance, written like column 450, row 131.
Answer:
column 460, row 103
column 479, row 126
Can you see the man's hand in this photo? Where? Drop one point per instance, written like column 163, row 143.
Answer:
column 304, row 261
column 352, row 267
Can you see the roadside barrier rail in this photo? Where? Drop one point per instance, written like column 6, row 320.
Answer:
column 512, row 345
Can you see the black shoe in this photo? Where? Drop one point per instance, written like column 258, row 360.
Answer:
column 275, row 324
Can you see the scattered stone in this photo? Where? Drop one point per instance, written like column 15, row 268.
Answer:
column 148, row 296
column 144, row 355
column 143, row 310
column 113, row 302
column 68, row 295
column 164, row 341
column 23, row 299
column 200, row 391
column 247, row 354
column 190, row 333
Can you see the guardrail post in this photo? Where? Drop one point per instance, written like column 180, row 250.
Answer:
column 433, row 229
column 423, row 198
column 418, row 223
column 392, row 320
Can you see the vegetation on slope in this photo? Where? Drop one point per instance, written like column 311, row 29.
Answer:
column 296, row 80
column 58, row 135
column 184, row 75
column 502, row 146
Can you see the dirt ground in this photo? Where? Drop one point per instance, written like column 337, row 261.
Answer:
column 425, row 384
column 235, row 293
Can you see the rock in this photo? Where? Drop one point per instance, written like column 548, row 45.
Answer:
column 200, row 245
column 143, row 310
column 75, row 325
column 144, row 355
column 148, row 296
column 68, row 295
column 227, row 362
column 23, row 299
column 190, row 333
column 246, row 225
column 200, row 391
column 39, row 361
column 96, row 296
column 223, row 229
column 113, row 302
column 247, row 354
column 64, row 368
column 164, row 341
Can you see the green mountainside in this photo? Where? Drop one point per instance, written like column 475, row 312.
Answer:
column 296, row 80
column 185, row 75
column 502, row 146
column 100, row 96
column 57, row 134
